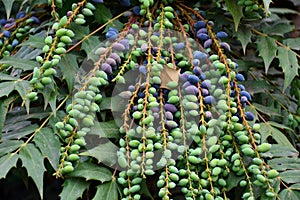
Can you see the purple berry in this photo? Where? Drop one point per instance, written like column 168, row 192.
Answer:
column 116, row 57
column 143, row 70
column 179, row 46
column 241, row 87
column 35, row 19
column 186, row 84
column 196, row 62
column 249, row 116
column 169, row 115
column 208, row 114
column 225, row 46
column 207, row 43
column 197, row 70
column 191, row 89
column 118, row 47
column 107, row 68
column 6, row 33
column 205, row 92
column 202, row 30
column 20, row 15
column 131, row 88
column 222, row 35
column 125, row 94
column 110, row 61
column 136, row 10
column 170, row 107
column 193, row 79
column 206, row 85
column 199, row 55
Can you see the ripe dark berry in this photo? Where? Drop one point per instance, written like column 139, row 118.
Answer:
column 222, row 35
column 246, row 94
column 200, row 24
column 193, row 79
column 249, row 116
column 240, row 77
column 203, row 36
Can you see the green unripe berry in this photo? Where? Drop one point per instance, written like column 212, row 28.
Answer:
column 46, row 80
column 67, row 169
column 73, row 157
column 74, row 148
column 264, row 147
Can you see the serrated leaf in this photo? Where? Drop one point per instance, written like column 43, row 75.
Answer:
column 289, row 64
column 279, row 28
column 33, row 161
column 288, row 194
column 102, row 14
column 91, row 171
column 19, row 63
column 293, row 43
column 290, row 176
column 236, row 11
column 50, row 94
column 105, row 129
column 7, row 77
column 6, row 88
column 4, row 104
column 23, row 87
column 105, row 153
column 281, row 151
column 270, row 111
column 8, row 4
column 49, row 145
column 9, row 146
column 6, row 163
column 107, row 191
column 69, row 68
column 20, row 133
column 267, row 130
column 35, row 41
column 244, row 36
column 73, row 188
column 282, row 164
column 267, row 48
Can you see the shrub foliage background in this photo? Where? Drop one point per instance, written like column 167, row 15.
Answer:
column 214, row 111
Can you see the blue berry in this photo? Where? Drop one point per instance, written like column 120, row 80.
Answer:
column 15, row 43
column 98, row 1
column 203, row 36
column 205, row 92
column 240, row 77
column 199, row 55
column 6, row 33
column 200, row 24
column 209, row 100
column 196, row 62
column 197, row 70
column 125, row 3
column 193, row 79
column 179, row 46
column 206, row 85
column 20, row 15
column 244, row 99
column 222, row 34
column 241, row 87
column 136, row 10
column 207, row 43
column 35, row 19
column 202, row 30
column 225, row 46
column 191, row 89
column 2, row 22
column 246, row 94
column 143, row 69
column 249, row 116
column 202, row 76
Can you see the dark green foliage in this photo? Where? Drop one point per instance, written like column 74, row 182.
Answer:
column 167, row 100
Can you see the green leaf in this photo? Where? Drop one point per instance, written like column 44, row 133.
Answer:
column 283, row 11
column 20, row 133
column 290, row 176
column 50, row 94
column 257, row 86
column 105, row 153
column 281, row 151
column 279, row 28
column 23, row 87
column 69, row 68
column 102, row 14
column 270, row 111
column 267, row 48
column 49, row 144
column 91, row 171
column 293, row 43
column 288, row 194
column 35, row 41
column 267, row 130
column 73, row 188
column 107, row 191
column 267, row 5
column 6, row 88
column 33, row 161
column 4, row 104
column 236, row 11
column 6, row 163
column 289, row 63
column 6, row 77
column 89, row 45
column 233, row 180
column 282, row 164
column 8, row 4
column 19, row 63
column 105, row 129
column 9, row 146
column 295, row 186
column 244, row 36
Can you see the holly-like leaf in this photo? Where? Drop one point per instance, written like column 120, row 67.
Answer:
column 6, row 77
column 8, row 4
column 91, row 171
column 6, row 88
column 293, row 43
column 281, row 151
column 33, row 161
column 4, row 104
column 289, row 63
column 73, row 188
column 19, row 63
column 267, row 48
column 236, row 11
column 105, row 153
column 288, row 194
column 6, row 163
column 282, row 164
column 20, row 133
column 89, row 45
column 290, row 176
column 267, row 130
column 69, row 69
column 49, row 145
column 102, row 14
column 107, row 191
column 244, row 36
column 9, row 146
